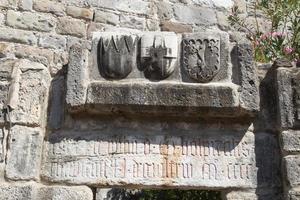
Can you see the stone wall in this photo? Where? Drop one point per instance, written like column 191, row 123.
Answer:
column 60, row 142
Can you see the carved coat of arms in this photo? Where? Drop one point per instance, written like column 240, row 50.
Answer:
column 158, row 55
column 117, row 56
column 201, row 58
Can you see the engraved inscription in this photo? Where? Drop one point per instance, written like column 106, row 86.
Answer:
column 129, row 159
column 201, row 58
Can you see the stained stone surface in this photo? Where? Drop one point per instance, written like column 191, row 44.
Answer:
column 18, row 191
column 294, row 194
column 25, row 87
column 292, row 163
column 288, row 82
column 291, row 140
column 24, row 153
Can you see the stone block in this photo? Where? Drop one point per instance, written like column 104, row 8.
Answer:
column 163, row 95
column 77, row 77
column 25, row 4
column 241, row 195
column 31, row 191
column 152, row 25
column 30, row 21
column 176, row 27
column 24, row 153
column 35, row 54
column 53, row 41
column 3, row 137
column 223, row 4
column 49, row 7
column 291, row 140
column 223, row 22
column 132, row 22
column 294, row 194
column 195, row 15
column 17, row 36
column 292, row 164
column 288, row 97
column 82, row 13
column 248, row 77
column 165, row 11
column 6, row 71
column 70, row 26
column 56, row 107
column 260, row 193
column 106, row 17
column 138, row 7
column 208, row 158
column 16, row 191
column 30, row 98
column 94, row 27
column 8, row 3
column 102, row 193
column 64, row 192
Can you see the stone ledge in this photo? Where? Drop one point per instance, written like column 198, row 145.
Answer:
column 163, row 94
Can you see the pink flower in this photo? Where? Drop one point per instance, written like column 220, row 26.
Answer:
column 277, row 34
column 288, row 50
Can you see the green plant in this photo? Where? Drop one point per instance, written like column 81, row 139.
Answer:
column 283, row 38
column 175, row 194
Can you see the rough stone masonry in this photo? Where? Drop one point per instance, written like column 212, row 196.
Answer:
column 162, row 94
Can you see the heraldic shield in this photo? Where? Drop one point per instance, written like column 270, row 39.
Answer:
column 201, row 58
column 158, row 55
column 117, row 56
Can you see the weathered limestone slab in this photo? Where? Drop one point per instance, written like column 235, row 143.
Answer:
column 193, row 160
column 131, row 71
column 32, row 191
column 24, row 153
column 30, row 21
column 29, row 94
column 16, row 192
column 292, row 163
column 288, row 87
column 265, row 194
column 24, row 87
column 3, row 136
column 17, row 35
column 249, row 98
column 294, row 194
column 291, row 140
column 77, row 77
column 102, row 193
column 169, row 95
column 64, row 192
column 241, row 195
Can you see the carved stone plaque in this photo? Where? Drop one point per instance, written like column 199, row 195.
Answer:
column 140, row 73
column 149, row 159
column 117, row 55
column 201, row 57
column 158, row 54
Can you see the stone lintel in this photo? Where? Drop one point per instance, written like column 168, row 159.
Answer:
column 168, row 95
